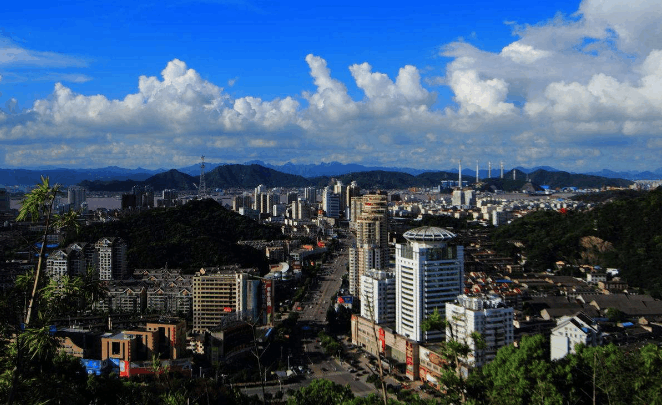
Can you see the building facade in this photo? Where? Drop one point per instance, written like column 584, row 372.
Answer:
column 371, row 250
column 111, row 258
column 378, row 296
column 429, row 272
column 230, row 293
column 571, row 331
column 486, row 315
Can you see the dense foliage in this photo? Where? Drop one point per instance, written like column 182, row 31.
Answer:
column 623, row 233
column 200, row 233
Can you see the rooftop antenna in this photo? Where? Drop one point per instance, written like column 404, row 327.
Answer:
column 202, row 189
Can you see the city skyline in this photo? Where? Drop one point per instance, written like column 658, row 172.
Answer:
column 565, row 84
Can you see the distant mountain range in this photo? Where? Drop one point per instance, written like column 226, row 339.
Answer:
column 250, row 176
column 290, row 175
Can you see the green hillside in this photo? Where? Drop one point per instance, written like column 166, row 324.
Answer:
column 624, row 233
column 249, row 176
column 200, row 233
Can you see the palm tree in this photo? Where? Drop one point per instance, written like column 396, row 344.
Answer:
column 37, row 203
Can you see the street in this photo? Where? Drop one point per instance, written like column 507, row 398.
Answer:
column 312, row 319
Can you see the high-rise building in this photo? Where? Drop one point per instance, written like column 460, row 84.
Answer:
column 292, row 197
column 256, row 196
column 371, row 250
column 341, row 191
column 74, row 260
column 331, row 203
column 457, row 198
column 111, row 254
column 470, row 197
column 378, row 296
column 265, row 202
column 310, row 194
column 76, row 196
column 168, row 198
column 144, row 196
column 429, row 272
column 230, row 293
column 301, row 210
column 242, row 201
column 487, row 315
column 353, row 190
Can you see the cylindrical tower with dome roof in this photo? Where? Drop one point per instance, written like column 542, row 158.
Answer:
column 429, row 271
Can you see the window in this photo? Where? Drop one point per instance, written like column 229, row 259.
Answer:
column 115, row 348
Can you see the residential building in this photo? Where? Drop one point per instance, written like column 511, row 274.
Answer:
column 351, row 191
column 457, row 198
column 230, row 293
column 76, row 196
column 429, row 272
column 486, row 315
column 111, row 254
column 241, row 201
column 571, row 331
column 378, row 296
column 310, row 194
column 330, row 203
column 371, row 250
column 166, row 340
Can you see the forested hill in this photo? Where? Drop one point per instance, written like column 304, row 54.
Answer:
column 200, row 233
column 172, row 179
column 624, row 233
column 250, row 176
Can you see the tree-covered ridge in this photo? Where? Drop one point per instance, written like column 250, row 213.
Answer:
column 250, row 176
column 565, row 179
column 624, row 233
column 200, row 233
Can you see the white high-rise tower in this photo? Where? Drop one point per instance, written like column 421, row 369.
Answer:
column 429, row 272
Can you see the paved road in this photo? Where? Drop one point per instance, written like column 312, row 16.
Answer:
column 313, row 316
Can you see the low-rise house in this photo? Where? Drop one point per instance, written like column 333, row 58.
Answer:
column 571, row 331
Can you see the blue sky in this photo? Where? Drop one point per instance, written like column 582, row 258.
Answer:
column 565, row 84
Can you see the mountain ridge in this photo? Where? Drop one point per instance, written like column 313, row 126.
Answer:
column 248, row 176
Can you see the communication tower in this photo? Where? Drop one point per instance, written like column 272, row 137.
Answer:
column 202, row 189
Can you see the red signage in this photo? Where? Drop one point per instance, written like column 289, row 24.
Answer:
column 227, row 309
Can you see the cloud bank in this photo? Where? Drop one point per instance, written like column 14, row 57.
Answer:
column 582, row 92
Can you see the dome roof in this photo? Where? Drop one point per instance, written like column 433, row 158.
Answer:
column 428, row 234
